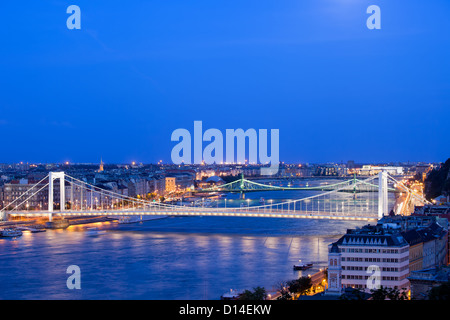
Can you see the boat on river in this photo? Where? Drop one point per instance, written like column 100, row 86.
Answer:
column 129, row 219
column 302, row 266
column 10, row 233
column 95, row 231
column 231, row 295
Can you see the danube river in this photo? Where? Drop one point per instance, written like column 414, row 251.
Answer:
column 171, row 258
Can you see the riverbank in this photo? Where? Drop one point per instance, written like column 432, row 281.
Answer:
column 41, row 223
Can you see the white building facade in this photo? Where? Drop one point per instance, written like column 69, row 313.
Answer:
column 369, row 260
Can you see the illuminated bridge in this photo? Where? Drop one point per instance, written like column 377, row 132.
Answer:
column 243, row 186
column 80, row 198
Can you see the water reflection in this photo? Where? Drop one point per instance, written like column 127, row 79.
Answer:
column 174, row 258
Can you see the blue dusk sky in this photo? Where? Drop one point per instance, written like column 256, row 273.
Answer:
column 137, row 70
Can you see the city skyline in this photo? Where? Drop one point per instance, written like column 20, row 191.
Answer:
column 162, row 163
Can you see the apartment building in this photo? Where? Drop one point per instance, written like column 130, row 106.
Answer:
column 387, row 252
column 367, row 257
column 12, row 191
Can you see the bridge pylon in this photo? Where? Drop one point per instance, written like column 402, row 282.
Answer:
column 354, row 187
column 62, row 192
column 242, row 187
column 382, row 194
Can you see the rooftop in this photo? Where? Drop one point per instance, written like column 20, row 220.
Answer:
column 431, row 274
column 372, row 236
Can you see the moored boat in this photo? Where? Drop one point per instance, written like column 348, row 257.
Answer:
column 129, row 219
column 231, row 295
column 10, row 233
column 302, row 266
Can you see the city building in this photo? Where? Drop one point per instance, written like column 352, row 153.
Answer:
column 422, row 281
column 441, row 200
column 369, row 170
column 157, row 184
column 171, row 184
column 335, row 286
column 415, row 249
column 331, row 170
column 16, row 188
column 363, row 253
column 179, row 179
column 440, row 215
column 396, row 246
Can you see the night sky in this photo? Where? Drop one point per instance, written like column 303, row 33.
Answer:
column 137, row 70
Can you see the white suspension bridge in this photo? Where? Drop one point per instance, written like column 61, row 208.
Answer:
column 79, row 198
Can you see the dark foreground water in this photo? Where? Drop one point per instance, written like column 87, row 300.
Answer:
column 172, row 258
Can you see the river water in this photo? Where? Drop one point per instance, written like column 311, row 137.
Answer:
column 171, row 258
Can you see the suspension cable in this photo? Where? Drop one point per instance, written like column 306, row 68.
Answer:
column 23, row 194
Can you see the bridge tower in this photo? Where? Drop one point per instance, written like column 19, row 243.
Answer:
column 382, row 194
column 334, row 271
column 62, row 192
column 354, row 186
column 242, row 186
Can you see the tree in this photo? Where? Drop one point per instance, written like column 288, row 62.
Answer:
column 441, row 292
column 388, row 293
column 151, row 195
column 395, row 294
column 352, row 294
column 301, row 285
column 284, row 291
column 304, row 284
column 437, row 181
column 258, row 293
column 293, row 286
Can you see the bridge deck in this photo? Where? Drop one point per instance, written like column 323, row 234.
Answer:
column 204, row 212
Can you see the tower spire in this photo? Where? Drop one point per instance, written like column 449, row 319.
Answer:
column 101, row 165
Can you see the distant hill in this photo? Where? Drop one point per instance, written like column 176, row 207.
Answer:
column 438, row 181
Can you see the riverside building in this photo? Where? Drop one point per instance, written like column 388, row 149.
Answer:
column 367, row 257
